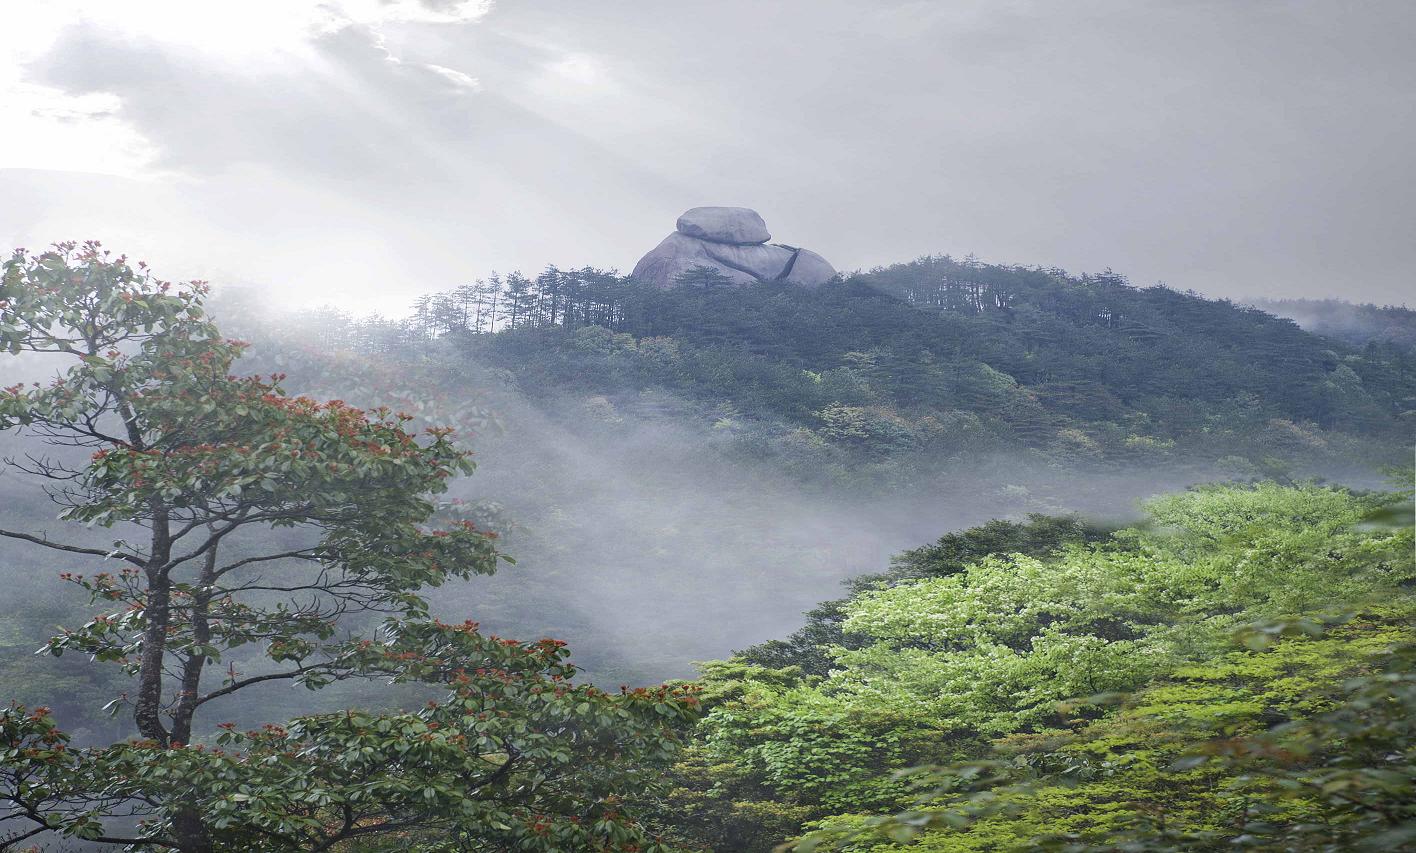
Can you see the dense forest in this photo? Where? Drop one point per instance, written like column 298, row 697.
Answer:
column 1124, row 568
column 896, row 371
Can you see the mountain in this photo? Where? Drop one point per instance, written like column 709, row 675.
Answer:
column 738, row 450
column 919, row 365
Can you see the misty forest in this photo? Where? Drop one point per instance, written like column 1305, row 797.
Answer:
column 739, row 551
column 268, row 549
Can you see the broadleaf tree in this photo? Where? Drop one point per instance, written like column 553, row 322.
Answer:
column 307, row 531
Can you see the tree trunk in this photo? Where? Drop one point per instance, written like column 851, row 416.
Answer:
column 158, row 607
column 196, row 660
column 189, row 832
column 148, row 712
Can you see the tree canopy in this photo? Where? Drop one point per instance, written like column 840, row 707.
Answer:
column 1002, row 678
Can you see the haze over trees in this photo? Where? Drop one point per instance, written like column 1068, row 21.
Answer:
column 1344, row 321
column 679, row 472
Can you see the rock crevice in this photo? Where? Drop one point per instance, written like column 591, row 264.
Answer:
column 791, row 262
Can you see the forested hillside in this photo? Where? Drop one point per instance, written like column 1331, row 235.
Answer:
column 897, row 376
column 902, row 369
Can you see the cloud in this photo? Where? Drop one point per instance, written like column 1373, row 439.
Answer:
column 414, row 11
column 1233, row 148
column 46, row 128
column 457, row 78
column 83, row 125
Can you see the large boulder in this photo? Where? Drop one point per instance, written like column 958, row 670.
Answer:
column 732, row 242
column 734, row 225
column 762, row 262
column 810, row 269
column 679, row 253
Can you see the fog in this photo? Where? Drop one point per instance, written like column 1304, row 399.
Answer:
column 642, row 535
column 1340, row 319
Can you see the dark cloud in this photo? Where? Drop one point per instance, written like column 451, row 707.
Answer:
column 1233, row 147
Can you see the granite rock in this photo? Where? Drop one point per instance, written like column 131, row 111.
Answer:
column 731, row 241
column 733, row 225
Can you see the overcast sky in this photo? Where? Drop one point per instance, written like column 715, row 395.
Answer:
column 362, row 152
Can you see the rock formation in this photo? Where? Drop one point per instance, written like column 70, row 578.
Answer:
column 731, row 241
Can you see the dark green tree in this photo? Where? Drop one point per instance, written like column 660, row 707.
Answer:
column 308, row 530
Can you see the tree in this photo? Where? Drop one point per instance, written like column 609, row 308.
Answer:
column 1299, row 741
column 703, row 277
column 812, row 646
column 969, row 656
column 254, row 518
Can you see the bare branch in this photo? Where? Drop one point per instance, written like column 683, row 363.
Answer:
column 256, row 679
column 33, row 813
column 73, row 549
column 301, row 553
column 7, row 843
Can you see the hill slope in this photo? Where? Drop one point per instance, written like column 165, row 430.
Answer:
column 942, row 360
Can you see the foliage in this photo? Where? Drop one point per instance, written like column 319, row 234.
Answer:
column 975, row 665
column 1305, row 745
column 808, row 647
column 250, row 518
column 516, row 757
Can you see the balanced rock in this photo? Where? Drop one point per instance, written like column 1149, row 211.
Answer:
column 734, row 225
column 732, row 242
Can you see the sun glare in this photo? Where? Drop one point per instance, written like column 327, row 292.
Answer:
column 53, row 129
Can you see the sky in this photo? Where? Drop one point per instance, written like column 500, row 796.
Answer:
column 361, row 152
